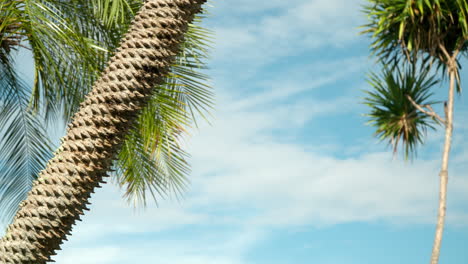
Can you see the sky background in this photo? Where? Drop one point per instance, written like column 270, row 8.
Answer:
column 288, row 172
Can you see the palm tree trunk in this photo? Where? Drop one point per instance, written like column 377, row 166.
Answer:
column 95, row 135
column 444, row 168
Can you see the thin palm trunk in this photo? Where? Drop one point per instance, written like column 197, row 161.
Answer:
column 444, row 169
column 95, row 135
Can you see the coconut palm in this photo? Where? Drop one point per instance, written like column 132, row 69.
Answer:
column 107, row 121
column 415, row 35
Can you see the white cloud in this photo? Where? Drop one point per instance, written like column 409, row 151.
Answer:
column 299, row 187
column 157, row 253
column 109, row 214
column 134, row 245
column 296, row 81
column 89, row 255
column 240, row 161
column 294, row 27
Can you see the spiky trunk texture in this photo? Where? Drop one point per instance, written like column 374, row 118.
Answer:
column 95, row 135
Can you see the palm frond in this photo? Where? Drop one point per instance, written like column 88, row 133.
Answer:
column 10, row 33
column 403, row 30
column 24, row 145
column 393, row 115
column 64, row 61
column 152, row 159
column 69, row 49
column 115, row 13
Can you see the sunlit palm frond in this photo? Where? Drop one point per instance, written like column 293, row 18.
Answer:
column 393, row 115
column 155, row 163
column 186, row 77
column 115, row 13
column 68, row 53
column 164, row 123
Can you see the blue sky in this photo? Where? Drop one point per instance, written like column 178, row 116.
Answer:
column 288, row 172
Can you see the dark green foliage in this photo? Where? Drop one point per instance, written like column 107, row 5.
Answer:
column 407, row 28
column 392, row 113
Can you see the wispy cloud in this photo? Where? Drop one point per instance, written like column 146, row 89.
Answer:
column 295, row 81
column 294, row 186
column 290, row 29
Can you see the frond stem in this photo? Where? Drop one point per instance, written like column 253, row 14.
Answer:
column 431, row 111
column 449, row 58
column 459, row 47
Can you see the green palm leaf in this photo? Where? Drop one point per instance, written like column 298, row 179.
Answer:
column 403, row 30
column 68, row 51
column 152, row 159
column 25, row 147
column 395, row 117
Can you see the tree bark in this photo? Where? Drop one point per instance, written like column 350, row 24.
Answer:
column 444, row 168
column 94, row 137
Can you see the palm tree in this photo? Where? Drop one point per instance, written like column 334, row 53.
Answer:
column 70, row 44
column 98, row 130
column 416, row 34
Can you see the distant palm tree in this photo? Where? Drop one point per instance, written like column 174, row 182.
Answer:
column 107, row 121
column 416, row 34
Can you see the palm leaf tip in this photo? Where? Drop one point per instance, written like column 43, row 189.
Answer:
column 396, row 119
